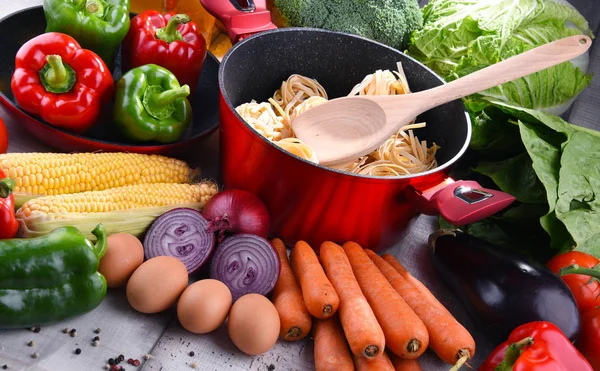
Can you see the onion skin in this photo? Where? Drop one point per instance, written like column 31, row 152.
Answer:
column 183, row 234
column 237, row 211
column 247, row 264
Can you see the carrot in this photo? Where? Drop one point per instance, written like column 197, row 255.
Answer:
column 319, row 295
column 331, row 349
column 361, row 328
column 287, row 298
column 447, row 337
column 381, row 362
column 401, row 364
column 405, row 333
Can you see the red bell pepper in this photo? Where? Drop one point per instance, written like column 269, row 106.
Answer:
column 585, row 288
column 61, row 82
column 3, row 137
column 536, row 346
column 170, row 41
column 8, row 222
column 589, row 339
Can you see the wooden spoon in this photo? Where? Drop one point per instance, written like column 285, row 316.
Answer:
column 344, row 129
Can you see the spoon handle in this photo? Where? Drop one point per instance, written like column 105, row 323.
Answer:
column 521, row 65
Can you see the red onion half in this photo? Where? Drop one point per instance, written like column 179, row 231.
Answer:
column 246, row 264
column 181, row 233
column 237, row 211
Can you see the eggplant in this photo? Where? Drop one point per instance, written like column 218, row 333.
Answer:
column 499, row 290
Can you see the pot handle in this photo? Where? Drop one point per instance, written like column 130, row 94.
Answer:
column 241, row 18
column 462, row 202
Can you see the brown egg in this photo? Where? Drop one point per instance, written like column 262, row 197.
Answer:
column 157, row 284
column 204, row 306
column 253, row 324
column 124, row 254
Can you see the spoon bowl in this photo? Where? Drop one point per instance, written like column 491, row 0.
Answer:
column 344, row 129
column 353, row 129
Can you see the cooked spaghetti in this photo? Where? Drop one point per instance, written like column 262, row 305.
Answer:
column 263, row 119
column 295, row 90
column 296, row 147
column 401, row 154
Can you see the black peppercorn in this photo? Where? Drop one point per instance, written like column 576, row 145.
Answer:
column 5, row 367
column 78, row 351
column 192, row 354
column 111, row 361
column 97, row 338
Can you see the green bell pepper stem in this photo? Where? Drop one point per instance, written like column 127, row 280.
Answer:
column 95, row 8
column 7, row 185
column 167, row 97
column 101, row 242
column 92, row 7
column 512, row 354
column 158, row 103
column 57, row 73
column 170, row 33
column 56, row 76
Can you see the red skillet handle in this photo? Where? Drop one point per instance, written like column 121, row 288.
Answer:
column 463, row 202
column 241, row 18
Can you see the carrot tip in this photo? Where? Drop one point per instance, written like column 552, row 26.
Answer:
column 327, row 309
column 413, row 346
column 371, row 351
column 293, row 332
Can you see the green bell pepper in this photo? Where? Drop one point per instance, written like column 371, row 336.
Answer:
column 50, row 278
column 98, row 25
column 151, row 106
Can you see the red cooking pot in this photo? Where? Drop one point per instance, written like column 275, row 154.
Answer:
column 312, row 202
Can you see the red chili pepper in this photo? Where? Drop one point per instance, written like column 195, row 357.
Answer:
column 8, row 222
column 536, row 346
column 584, row 286
column 170, row 41
column 61, row 82
column 589, row 339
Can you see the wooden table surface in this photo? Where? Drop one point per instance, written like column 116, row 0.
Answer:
column 125, row 331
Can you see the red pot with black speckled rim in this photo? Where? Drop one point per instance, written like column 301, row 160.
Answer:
column 310, row 202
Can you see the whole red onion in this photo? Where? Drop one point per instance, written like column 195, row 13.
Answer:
column 235, row 211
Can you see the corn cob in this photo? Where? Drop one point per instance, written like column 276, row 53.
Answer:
column 42, row 174
column 128, row 209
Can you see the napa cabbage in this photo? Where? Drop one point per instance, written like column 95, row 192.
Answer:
column 463, row 36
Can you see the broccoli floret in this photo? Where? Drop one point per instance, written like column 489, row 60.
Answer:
column 388, row 21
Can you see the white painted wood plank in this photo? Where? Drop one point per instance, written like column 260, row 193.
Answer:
column 215, row 352
column 123, row 331
column 9, row 6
